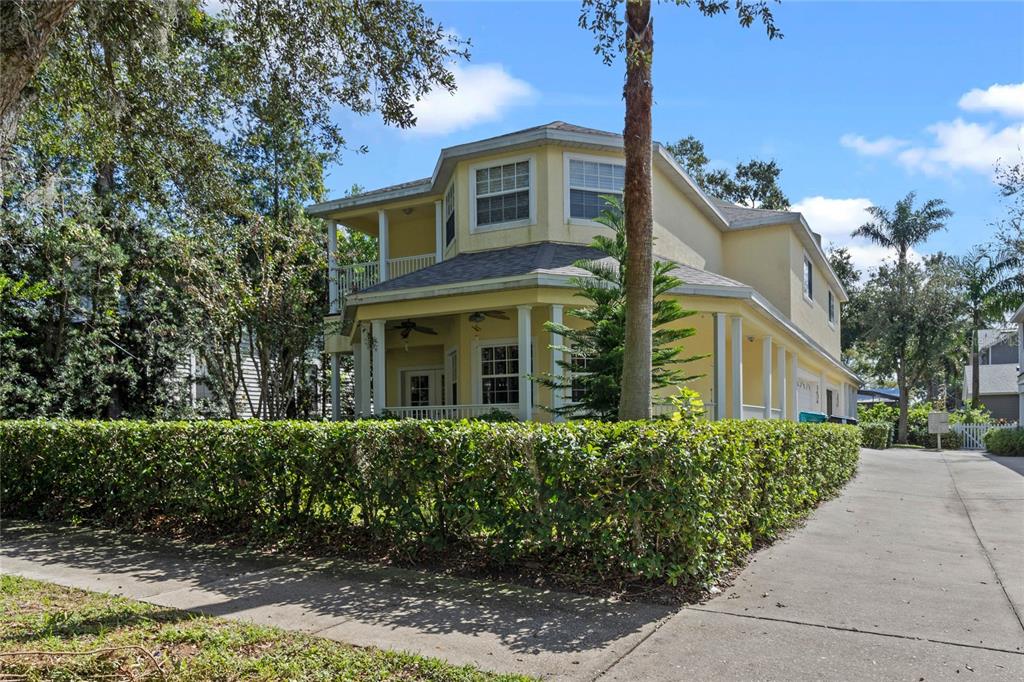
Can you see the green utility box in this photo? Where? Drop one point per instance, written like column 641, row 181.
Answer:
column 813, row 417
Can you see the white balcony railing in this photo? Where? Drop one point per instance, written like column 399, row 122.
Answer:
column 359, row 276
column 397, row 267
column 450, row 411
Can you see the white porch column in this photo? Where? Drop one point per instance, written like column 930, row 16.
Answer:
column 737, row 367
column 766, row 375
column 822, row 396
column 557, row 394
column 332, row 267
column 719, row 372
column 335, row 386
column 780, row 359
column 363, row 373
column 438, row 232
column 380, row 373
column 357, row 377
column 525, row 385
column 383, row 247
column 794, row 368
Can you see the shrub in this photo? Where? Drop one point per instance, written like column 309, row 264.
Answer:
column 877, row 413
column 1005, row 441
column 595, row 501
column 877, row 435
column 497, row 416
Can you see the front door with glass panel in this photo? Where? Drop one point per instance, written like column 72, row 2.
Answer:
column 423, row 387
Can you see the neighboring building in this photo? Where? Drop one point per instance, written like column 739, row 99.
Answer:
column 998, row 372
column 449, row 321
column 871, row 396
column 1018, row 319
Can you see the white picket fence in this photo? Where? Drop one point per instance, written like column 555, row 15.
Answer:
column 973, row 434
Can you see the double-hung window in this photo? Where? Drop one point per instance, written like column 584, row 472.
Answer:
column 579, row 365
column 588, row 181
column 808, row 279
column 501, row 195
column 499, row 374
column 449, row 215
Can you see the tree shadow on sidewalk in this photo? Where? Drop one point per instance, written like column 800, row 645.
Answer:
column 330, row 592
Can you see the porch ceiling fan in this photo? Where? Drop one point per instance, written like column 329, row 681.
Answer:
column 408, row 326
column 479, row 315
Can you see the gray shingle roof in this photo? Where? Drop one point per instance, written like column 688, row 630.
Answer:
column 741, row 216
column 543, row 258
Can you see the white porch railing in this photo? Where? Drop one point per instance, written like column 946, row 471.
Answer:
column 451, row 411
column 973, row 434
column 757, row 412
column 397, row 267
column 359, row 276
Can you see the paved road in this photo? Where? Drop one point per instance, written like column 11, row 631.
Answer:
column 915, row 572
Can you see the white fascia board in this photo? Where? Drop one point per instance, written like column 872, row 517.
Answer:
column 685, row 183
column 325, row 208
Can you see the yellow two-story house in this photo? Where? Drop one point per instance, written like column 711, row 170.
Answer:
column 473, row 260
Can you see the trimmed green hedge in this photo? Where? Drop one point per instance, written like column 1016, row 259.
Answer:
column 876, row 435
column 658, row 500
column 1008, row 441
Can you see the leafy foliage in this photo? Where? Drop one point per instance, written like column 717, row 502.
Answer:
column 698, row 496
column 1005, row 441
column 876, row 435
column 156, row 188
column 601, row 341
column 754, row 184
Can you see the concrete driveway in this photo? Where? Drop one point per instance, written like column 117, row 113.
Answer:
column 915, row 572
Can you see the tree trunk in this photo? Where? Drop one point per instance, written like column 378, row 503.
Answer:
column 975, row 367
column 635, row 400
column 901, row 380
column 25, row 31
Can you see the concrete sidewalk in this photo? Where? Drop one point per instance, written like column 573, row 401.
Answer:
column 917, row 571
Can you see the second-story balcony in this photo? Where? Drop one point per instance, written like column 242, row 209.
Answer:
column 357, row 277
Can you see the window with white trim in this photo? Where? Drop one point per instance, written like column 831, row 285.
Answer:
column 578, row 368
column 449, row 215
column 499, row 374
column 588, row 182
column 502, row 193
column 808, row 278
column 831, row 307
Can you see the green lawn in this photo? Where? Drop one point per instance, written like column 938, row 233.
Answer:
column 141, row 641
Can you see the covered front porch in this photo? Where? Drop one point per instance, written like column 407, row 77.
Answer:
column 464, row 356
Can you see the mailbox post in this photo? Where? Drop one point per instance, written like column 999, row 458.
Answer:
column 938, row 423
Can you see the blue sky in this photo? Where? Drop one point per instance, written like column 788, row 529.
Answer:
column 859, row 103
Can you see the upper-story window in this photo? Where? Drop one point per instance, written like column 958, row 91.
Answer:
column 587, row 180
column 449, row 215
column 502, row 195
column 808, row 278
column 831, row 307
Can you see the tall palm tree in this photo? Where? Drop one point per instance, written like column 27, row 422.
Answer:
column 635, row 35
column 993, row 284
column 901, row 229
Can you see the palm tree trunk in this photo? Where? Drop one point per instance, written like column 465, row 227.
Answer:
column 635, row 400
column 902, row 430
column 975, row 367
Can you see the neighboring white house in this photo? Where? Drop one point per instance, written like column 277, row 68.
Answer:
column 998, row 372
column 1018, row 319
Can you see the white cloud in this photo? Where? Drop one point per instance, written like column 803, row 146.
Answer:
column 484, row 92
column 962, row 145
column 833, row 219
column 836, row 219
column 957, row 145
column 1006, row 99
column 883, row 146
